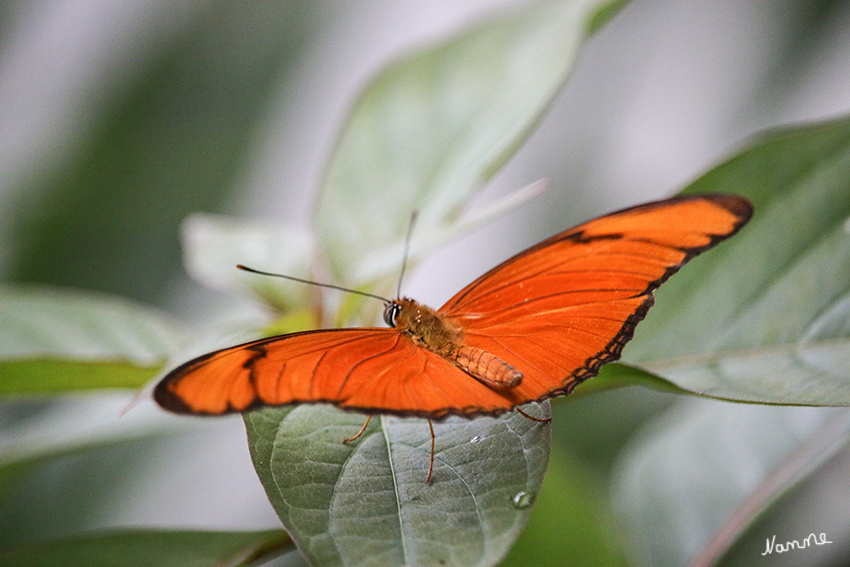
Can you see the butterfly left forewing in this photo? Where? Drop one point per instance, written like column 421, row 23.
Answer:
column 375, row 370
column 564, row 307
column 272, row 371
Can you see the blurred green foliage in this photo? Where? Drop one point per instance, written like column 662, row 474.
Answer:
column 171, row 140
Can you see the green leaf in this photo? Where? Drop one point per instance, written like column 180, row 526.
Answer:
column 367, row 502
column 430, row 129
column 46, row 375
column 797, row 508
column 619, row 375
column 796, row 499
column 681, row 479
column 133, row 548
column 766, row 316
column 54, row 340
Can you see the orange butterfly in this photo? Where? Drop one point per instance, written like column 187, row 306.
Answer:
column 531, row 328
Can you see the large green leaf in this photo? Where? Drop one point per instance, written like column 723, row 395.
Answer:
column 791, row 506
column 368, row 503
column 686, row 474
column 766, row 316
column 54, row 340
column 134, row 548
column 430, row 129
column 796, row 499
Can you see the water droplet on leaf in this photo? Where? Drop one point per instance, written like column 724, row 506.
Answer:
column 523, row 500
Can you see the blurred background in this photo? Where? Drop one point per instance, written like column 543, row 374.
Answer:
column 119, row 119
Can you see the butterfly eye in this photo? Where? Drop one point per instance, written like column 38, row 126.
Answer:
column 391, row 312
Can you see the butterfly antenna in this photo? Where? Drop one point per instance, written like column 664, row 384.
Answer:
column 310, row 282
column 407, row 240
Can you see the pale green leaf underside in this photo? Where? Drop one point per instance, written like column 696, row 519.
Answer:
column 367, row 502
column 765, row 317
column 387, row 261
column 214, row 244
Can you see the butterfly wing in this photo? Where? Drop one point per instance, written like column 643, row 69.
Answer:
column 370, row 369
column 556, row 312
column 561, row 309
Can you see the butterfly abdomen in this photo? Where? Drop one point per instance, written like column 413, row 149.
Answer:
column 487, row 368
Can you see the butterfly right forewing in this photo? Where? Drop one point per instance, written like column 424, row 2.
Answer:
column 564, row 307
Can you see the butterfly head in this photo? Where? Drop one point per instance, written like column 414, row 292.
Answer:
column 391, row 311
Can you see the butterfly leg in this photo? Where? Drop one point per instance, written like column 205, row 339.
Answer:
column 431, row 466
column 537, row 419
column 359, row 433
